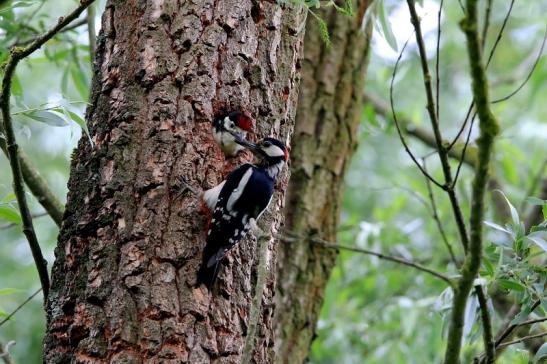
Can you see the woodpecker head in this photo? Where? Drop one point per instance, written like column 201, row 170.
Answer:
column 238, row 122
column 269, row 151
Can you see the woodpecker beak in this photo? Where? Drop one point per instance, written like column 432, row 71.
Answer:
column 244, row 142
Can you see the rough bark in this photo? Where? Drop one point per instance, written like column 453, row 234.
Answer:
column 124, row 277
column 325, row 137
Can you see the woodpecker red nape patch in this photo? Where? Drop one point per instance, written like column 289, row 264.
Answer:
column 286, row 154
column 245, row 123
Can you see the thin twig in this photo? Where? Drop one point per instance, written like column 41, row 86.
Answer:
column 508, row 343
column 75, row 25
column 16, row 55
column 500, row 33
column 438, row 220
column 490, row 56
column 487, row 15
column 509, row 329
column 437, row 60
column 12, row 313
column 488, row 338
column 398, row 127
column 507, row 97
column 10, row 225
column 443, row 153
column 464, row 150
column 331, row 245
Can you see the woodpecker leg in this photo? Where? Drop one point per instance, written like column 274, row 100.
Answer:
column 255, row 229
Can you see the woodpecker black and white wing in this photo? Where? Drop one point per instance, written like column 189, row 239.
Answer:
column 245, row 194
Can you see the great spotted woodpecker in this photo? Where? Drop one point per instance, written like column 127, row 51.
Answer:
column 227, row 127
column 239, row 201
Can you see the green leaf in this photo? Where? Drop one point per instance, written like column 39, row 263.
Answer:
column 17, row 4
column 510, row 285
column 536, row 201
column 7, row 291
column 49, row 117
column 541, row 353
column 538, row 238
column 9, row 197
column 80, row 80
column 386, row 26
column 514, row 213
column 10, row 214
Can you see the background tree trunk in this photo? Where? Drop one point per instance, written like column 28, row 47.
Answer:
column 124, row 277
column 330, row 106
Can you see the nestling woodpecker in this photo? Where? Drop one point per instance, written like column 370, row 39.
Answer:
column 227, row 128
column 239, row 201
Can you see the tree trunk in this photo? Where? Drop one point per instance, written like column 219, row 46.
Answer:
column 329, row 111
column 124, row 277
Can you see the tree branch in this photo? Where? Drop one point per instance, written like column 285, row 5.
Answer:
column 331, row 245
column 8, row 317
column 488, row 338
column 489, row 128
column 16, row 55
column 508, row 343
column 435, row 215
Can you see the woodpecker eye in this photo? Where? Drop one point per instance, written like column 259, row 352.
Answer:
column 266, row 144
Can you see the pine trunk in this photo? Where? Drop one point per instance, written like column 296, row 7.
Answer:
column 124, row 277
column 329, row 111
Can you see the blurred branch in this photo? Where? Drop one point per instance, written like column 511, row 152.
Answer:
column 90, row 19
column 533, row 186
column 331, row 245
column 508, row 343
column 9, row 226
column 488, row 338
column 489, row 128
column 37, row 184
column 16, row 55
column 8, row 317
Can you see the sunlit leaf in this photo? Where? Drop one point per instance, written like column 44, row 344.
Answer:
column 514, row 213
column 539, row 238
column 49, row 117
column 386, row 26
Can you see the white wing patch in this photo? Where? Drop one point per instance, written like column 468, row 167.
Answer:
column 236, row 194
column 211, row 196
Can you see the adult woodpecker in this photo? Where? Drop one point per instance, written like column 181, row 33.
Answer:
column 229, row 127
column 239, row 201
